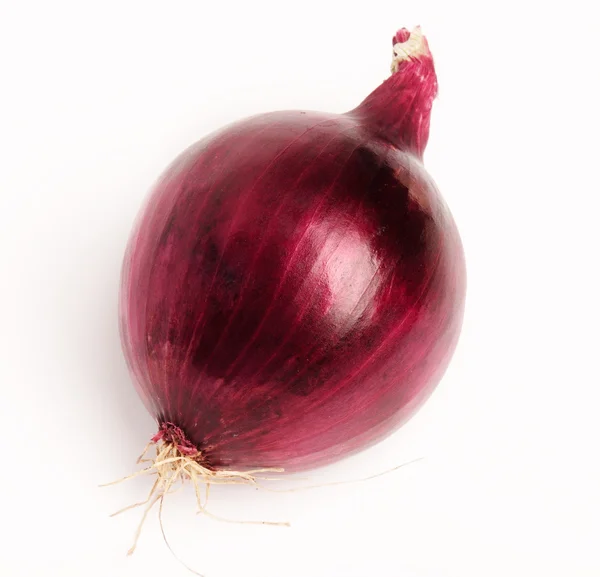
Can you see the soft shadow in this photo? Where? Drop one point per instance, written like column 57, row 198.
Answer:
column 114, row 418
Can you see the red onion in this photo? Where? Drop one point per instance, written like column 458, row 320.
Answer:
column 293, row 289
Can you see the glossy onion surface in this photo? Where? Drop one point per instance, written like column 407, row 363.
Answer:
column 292, row 290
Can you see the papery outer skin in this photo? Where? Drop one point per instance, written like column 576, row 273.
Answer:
column 293, row 289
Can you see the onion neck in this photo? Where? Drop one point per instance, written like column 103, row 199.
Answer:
column 399, row 110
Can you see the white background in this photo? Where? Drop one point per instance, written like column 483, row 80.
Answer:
column 97, row 97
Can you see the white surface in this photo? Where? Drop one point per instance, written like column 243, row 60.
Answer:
column 97, row 97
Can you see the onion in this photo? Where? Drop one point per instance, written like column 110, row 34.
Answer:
column 293, row 288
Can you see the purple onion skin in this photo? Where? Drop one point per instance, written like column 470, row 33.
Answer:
column 293, row 289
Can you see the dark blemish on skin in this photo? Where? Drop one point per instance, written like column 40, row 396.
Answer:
column 166, row 232
column 210, row 251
